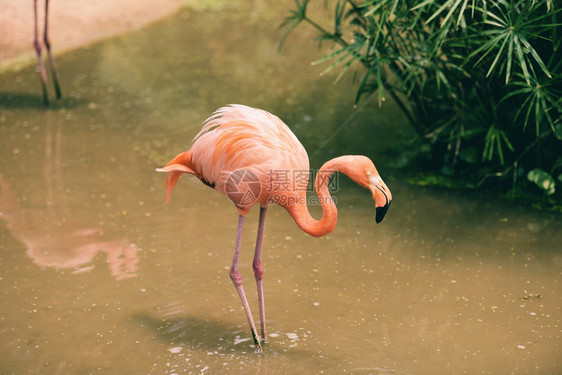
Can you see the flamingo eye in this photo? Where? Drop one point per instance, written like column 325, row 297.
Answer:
column 369, row 173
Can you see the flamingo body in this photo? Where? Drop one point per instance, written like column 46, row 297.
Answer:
column 252, row 157
column 239, row 138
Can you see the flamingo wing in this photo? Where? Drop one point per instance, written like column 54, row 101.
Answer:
column 237, row 137
column 236, row 140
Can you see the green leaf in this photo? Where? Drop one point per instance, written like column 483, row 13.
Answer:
column 542, row 180
column 497, row 57
column 537, row 57
column 329, row 57
column 509, row 59
column 494, row 140
column 292, row 21
column 487, row 47
column 362, row 86
column 423, row 4
column 468, row 154
column 337, row 62
column 526, row 73
column 441, row 9
column 453, row 8
column 558, row 131
column 461, row 13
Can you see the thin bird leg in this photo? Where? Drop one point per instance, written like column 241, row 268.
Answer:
column 258, row 270
column 37, row 46
column 237, row 280
column 51, row 59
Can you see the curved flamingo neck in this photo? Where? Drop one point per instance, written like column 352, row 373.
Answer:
column 299, row 209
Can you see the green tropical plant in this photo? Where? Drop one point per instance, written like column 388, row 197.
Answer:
column 472, row 77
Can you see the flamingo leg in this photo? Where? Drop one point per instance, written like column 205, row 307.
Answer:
column 237, row 280
column 37, row 45
column 48, row 46
column 258, row 270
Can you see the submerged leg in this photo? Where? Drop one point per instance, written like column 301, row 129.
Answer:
column 237, row 280
column 51, row 59
column 258, row 270
column 37, row 46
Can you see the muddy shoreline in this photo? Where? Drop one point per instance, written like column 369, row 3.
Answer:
column 72, row 24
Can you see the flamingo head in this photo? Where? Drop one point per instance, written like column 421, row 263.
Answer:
column 381, row 195
column 362, row 170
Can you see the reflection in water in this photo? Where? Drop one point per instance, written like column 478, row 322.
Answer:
column 51, row 237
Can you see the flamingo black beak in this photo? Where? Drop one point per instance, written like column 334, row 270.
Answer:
column 381, row 195
column 381, row 210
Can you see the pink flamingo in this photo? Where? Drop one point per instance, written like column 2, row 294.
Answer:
column 37, row 45
column 252, row 157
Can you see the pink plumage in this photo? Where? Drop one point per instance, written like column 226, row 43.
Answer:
column 238, row 138
column 252, row 157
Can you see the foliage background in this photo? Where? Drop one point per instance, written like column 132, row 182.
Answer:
column 480, row 82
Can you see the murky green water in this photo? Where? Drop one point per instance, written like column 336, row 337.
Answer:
column 99, row 275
